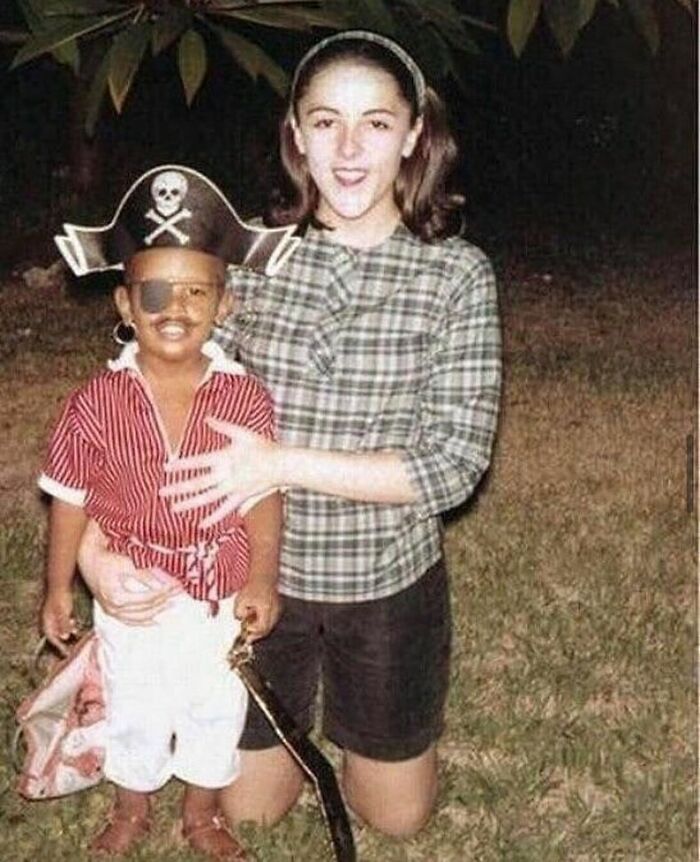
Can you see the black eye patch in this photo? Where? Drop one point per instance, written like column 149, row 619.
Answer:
column 155, row 295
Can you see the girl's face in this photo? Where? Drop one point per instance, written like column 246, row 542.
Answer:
column 354, row 127
column 173, row 298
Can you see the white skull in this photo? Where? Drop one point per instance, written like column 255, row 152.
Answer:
column 168, row 190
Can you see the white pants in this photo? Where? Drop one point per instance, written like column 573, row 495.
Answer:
column 174, row 707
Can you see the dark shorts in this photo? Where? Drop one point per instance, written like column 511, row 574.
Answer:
column 383, row 666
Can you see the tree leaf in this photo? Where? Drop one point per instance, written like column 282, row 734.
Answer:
column 441, row 12
column 480, row 24
column 192, row 63
column 586, row 10
column 436, row 59
column 49, row 40
column 95, row 96
column 288, row 19
column 646, row 21
column 446, row 19
column 75, row 8
column 372, row 15
column 169, row 27
column 13, row 37
column 564, row 20
column 341, row 10
column 224, row 5
column 68, row 54
column 125, row 57
column 522, row 17
column 31, row 15
column 253, row 59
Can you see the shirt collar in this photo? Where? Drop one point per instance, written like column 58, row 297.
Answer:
column 325, row 237
column 218, row 360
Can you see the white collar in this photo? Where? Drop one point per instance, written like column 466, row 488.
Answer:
column 213, row 351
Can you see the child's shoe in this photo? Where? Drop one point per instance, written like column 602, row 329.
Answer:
column 213, row 839
column 121, row 834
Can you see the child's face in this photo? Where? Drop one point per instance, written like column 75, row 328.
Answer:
column 173, row 297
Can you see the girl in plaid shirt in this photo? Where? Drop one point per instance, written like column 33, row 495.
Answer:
column 380, row 343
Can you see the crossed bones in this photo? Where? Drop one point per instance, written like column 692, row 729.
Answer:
column 168, row 224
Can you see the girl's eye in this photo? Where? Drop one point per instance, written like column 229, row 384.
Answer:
column 379, row 124
column 323, row 123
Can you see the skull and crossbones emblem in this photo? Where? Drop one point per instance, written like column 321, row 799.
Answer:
column 168, row 191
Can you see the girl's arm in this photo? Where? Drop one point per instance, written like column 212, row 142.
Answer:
column 66, row 526
column 252, row 464
column 372, row 477
column 258, row 601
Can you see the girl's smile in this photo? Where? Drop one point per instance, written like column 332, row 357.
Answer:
column 354, row 127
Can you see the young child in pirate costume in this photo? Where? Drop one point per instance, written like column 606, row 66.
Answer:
column 173, row 707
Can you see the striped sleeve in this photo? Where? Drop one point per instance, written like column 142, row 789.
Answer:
column 262, row 413
column 72, row 454
column 244, row 401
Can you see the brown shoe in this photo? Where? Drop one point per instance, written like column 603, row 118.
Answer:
column 213, row 839
column 121, row 834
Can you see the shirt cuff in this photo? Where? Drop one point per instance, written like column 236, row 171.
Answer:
column 423, row 480
column 72, row 496
column 440, row 485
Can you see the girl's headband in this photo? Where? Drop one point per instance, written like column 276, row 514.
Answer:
column 389, row 45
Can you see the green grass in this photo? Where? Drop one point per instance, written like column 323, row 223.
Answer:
column 571, row 716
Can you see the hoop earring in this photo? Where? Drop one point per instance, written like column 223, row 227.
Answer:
column 124, row 332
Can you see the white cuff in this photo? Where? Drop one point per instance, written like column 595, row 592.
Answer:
column 73, row 496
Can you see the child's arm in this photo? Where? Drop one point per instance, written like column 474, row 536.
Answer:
column 66, row 526
column 258, row 601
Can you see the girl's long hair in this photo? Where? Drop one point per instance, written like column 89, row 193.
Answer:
column 427, row 205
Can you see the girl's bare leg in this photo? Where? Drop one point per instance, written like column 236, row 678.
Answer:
column 268, row 786
column 396, row 798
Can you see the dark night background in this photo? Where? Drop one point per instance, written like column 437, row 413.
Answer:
column 597, row 147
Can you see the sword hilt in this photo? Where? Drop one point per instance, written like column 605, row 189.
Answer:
column 242, row 650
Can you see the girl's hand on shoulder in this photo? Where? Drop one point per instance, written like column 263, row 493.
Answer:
column 57, row 621
column 258, row 606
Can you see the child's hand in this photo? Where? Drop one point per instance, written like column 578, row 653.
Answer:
column 259, row 606
column 57, row 621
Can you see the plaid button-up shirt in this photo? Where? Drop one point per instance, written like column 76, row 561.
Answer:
column 392, row 347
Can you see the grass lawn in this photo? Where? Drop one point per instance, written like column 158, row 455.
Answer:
column 571, row 718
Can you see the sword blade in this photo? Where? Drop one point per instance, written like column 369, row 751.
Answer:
column 314, row 764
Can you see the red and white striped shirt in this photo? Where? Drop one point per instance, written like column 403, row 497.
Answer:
column 108, row 452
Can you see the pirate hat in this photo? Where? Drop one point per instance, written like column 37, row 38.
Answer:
column 173, row 206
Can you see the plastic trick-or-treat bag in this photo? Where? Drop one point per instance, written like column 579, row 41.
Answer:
column 63, row 726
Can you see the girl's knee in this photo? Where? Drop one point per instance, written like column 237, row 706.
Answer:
column 267, row 788
column 403, row 820
column 394, row 798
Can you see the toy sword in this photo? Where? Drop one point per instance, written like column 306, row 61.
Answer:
column 313, row 763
